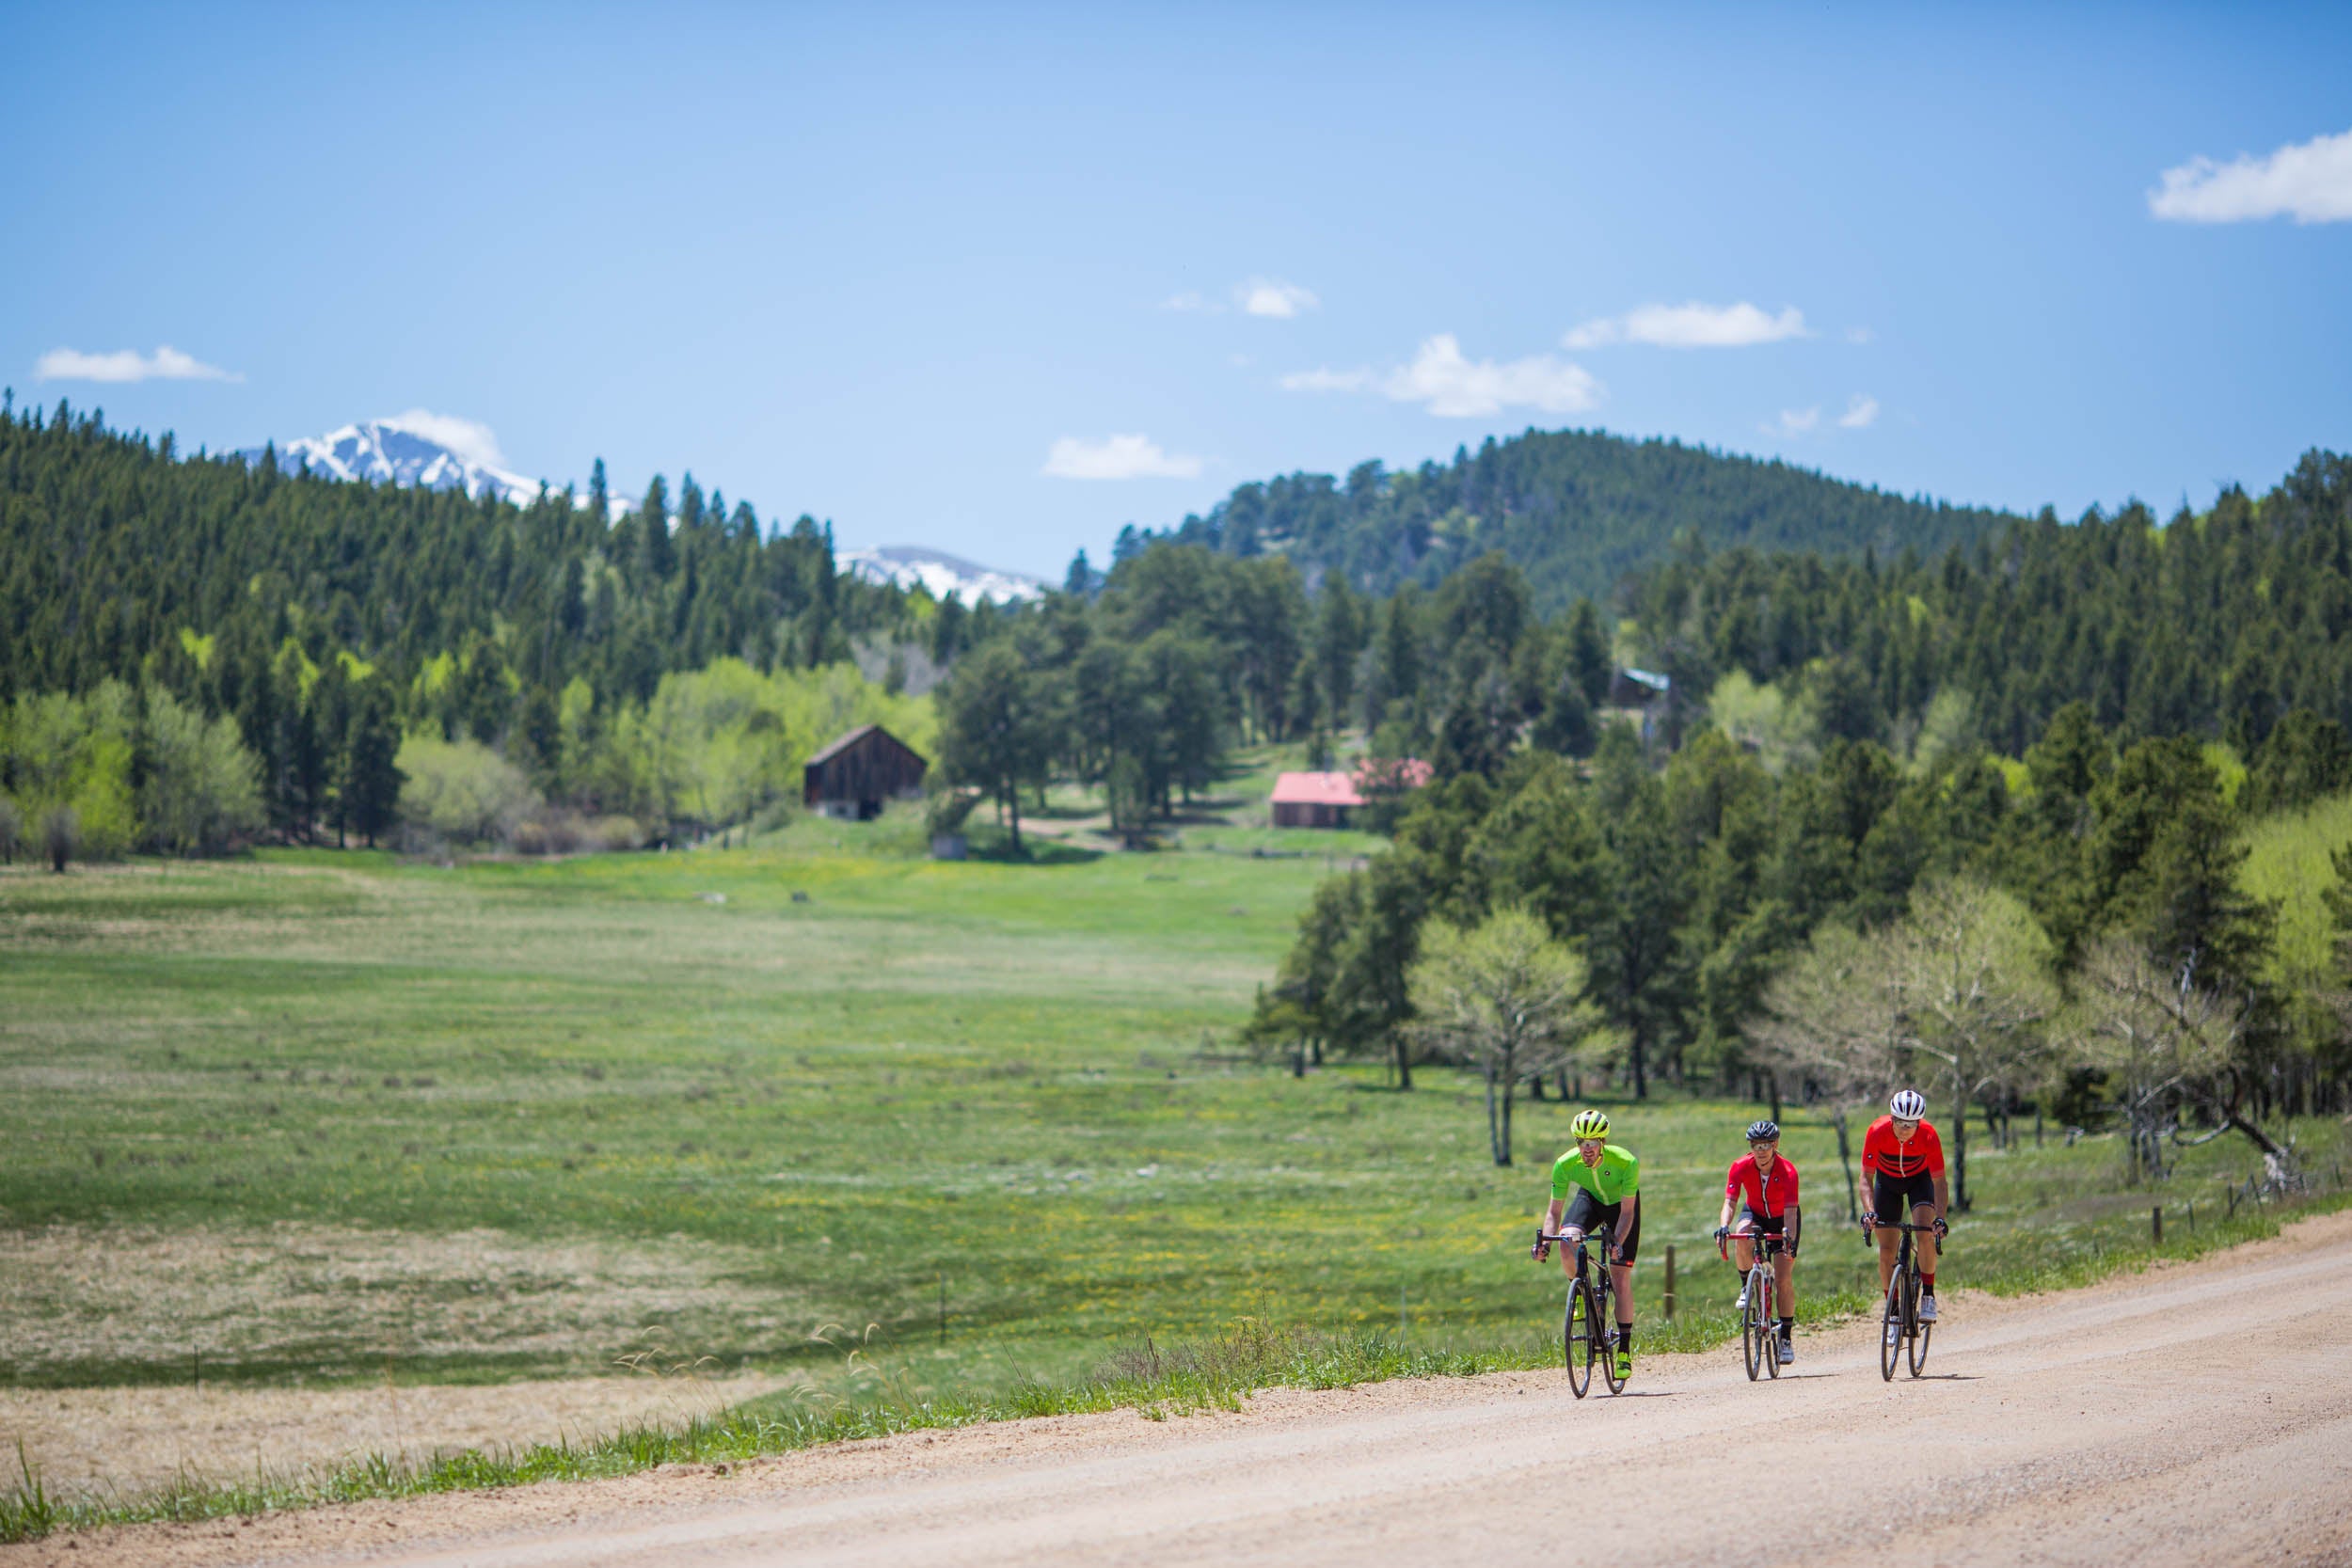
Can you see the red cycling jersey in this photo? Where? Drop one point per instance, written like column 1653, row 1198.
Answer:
column 1770, row 1198
column 1882, row 1153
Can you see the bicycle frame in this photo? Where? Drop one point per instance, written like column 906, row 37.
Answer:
column 1761, row 1281
column 1902, row 1304
column 1600, row 1333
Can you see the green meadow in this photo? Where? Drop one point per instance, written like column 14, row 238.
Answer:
column 984, row 1122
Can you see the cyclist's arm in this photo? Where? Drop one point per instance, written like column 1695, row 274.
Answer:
column 1552, row 1216
column 1942, row 1195
column 1722, row 1221
column 1625, row 1216
column 1796, row 1224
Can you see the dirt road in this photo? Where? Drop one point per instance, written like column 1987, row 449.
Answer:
column 2196, row 1413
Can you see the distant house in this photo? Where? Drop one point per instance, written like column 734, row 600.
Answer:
column 1639, row 697
column 1314, row 800
column 853, row 776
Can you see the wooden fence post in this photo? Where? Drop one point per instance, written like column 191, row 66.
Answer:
column 1670, row 1282
column 2155, row 1224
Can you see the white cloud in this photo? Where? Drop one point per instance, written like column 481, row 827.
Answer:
column 1689, row 326
column 1793, row 422
column 2309, row 182
column 1329, row 381
column 1191, row 299
column 1116, row 457
column 1858, row 335
column 1447, row 384
column 166, row 364
column 1861, row 414
column 1271, row 296
column 470, row 441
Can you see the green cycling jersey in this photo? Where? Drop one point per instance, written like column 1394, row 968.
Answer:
column 1615, row 1180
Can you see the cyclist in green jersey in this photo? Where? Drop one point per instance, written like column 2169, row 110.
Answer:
column 1605, row 1179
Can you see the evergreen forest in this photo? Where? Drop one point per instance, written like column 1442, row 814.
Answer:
column 1901, row 786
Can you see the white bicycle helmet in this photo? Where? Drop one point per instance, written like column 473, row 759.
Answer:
column 1908, row 1106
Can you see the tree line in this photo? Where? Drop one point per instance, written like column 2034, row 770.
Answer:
column 1837, row 928
column 561, row 654
column 1580, row 511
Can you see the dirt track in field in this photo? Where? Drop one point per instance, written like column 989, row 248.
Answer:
column 2195, row 1413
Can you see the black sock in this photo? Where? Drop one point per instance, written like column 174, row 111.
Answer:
column 1625, row 1338
column 1788, row 1327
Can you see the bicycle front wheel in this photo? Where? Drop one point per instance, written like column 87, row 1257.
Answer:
column 1596, row 1309
column 1891, row 1328
column 1918, row 1339
column 1577, row 1345
column 1751, row 1340
column 1768, row 1323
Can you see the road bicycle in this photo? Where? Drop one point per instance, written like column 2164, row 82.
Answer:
column 1759, row 1324
column 1588, row 1332
column 1902, row 1308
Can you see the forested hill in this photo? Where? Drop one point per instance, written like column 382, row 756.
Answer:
column 1577, row 511
column 118, row 559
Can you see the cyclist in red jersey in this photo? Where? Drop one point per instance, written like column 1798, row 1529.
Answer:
column 1765, row 1187
column 1903, row 1173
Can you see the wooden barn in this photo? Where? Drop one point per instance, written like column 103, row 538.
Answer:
column 853, row 776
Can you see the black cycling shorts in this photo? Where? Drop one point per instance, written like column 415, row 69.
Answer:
column 1765, row 1224
column 1588, row 1214
column 1893, row 1197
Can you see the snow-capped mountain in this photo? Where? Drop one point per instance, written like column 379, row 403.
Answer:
column 910, row 565
column 442, row 452
column 434, row 452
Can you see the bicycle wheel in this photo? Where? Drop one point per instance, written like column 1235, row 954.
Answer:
column 1917, row 1338
column 1751, row 1342
column 1891, row 1328
column 1577, row 1345
column 1767, row 1322
column 1604, row 1338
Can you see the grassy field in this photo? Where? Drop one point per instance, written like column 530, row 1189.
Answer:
column 325, row 1115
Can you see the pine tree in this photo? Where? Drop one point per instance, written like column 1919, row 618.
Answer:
column 653, row 527
column 369, row 786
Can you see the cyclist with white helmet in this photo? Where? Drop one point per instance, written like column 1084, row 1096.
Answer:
column 1606, row 1179
column 1764, row 1186
column 1902, row 1174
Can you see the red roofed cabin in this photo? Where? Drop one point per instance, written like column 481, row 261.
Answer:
column 1314, row 800
column 853, row 776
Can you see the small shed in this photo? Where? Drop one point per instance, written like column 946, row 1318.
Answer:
column 853, row 776
column 1314, row 800
column 1631, row 688
column 1639, row 697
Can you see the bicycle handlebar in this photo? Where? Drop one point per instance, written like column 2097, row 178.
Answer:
column 1599, row 1233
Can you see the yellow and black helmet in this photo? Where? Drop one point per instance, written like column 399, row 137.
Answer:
column 1590, row 1124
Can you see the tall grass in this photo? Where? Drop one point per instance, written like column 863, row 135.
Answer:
column 1215, row 1373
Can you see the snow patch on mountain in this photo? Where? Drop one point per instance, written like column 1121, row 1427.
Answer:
column 432, row 450
column 910, row 566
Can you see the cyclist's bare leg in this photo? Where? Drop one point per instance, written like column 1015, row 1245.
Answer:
column 1925, row 1214
column 1785, row 1276
column 1621, row 1283
column 1743, row 1250
column 1888, row 1240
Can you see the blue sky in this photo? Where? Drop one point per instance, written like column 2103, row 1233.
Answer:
column 944, row 277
